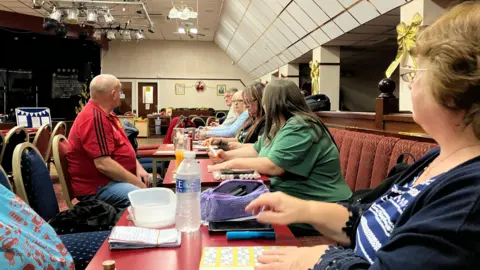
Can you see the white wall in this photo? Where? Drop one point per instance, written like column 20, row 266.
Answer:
column 172, row 62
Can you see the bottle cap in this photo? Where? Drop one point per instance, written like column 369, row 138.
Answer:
column 109, row 265
column 189, row 154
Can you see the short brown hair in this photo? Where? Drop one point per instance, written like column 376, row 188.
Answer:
column 452, row 45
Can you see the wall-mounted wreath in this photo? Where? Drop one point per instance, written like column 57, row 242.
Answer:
column 200, row 86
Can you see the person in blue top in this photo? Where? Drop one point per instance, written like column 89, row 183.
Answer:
column 230, row 131
column 429, row 218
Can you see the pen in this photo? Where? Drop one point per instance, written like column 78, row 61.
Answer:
column 250, row 235
column 210, row 147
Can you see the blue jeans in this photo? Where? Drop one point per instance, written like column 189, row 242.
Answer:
column 114, row 193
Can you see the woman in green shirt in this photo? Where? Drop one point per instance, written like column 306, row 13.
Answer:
column 296, row 151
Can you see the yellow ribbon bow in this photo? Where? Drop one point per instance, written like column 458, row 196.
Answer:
column 406, row 41
column 314, row 73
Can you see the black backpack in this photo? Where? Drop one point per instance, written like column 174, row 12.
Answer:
column 369, row 195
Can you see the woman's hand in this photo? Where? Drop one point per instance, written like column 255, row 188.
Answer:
column 292, row 258
column 234, row 145
column 220, row 166
column 212, row 141
column 220, row 157
column 279, row 208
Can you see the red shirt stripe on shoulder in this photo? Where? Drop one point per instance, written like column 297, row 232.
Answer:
column 100, row 132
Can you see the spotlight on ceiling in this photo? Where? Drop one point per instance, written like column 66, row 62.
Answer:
column 92, row 16
column 185, row 14
column 56, row 15
column 181, row 30
column 111, row 35
column 173, row 13
column 150, row 29
column 126, row 35
column 139, row 35
column 49, row 24
column 194, row 31
column 97, row 34
column 108, row 17
column 72, row 16
column 61, row 30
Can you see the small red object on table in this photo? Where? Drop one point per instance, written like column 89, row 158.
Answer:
column 206, row 177
column 185, row 257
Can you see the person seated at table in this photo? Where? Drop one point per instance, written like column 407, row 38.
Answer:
column 230, row 131
column 27, row 241
column 231, row 116
column 253, row 128
column 101, row 161
column 430, row 217
column 296, row 151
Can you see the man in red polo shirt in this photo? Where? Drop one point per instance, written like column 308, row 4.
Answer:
column 101, row 161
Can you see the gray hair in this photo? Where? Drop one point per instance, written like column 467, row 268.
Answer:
column 232, row 90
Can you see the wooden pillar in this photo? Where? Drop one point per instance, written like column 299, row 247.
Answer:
column 386, row 102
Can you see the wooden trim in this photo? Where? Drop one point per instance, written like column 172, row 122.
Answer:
column 402, row 135
column 329, row 64
column 351, row 115
column 399, row 117
column 195, row 79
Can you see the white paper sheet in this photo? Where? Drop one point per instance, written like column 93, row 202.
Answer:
column 36, row 122
column 45, row 120
column 122, row 95
column 147, row 106
column 22, row 120
column 148, row 94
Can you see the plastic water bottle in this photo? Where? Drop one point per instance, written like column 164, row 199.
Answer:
column 188, row 215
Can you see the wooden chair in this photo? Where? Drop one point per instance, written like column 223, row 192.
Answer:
column 60, row 149
column 60, row 129
column 14, row 137
column 42, row 141
column 210, row 120
column 199, row 122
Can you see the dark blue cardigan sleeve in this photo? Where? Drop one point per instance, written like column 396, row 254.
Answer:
column 439, row 230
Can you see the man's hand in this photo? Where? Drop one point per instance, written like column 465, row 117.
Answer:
column 145, row 176
column 291, row 258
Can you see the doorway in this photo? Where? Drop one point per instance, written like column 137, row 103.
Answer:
column 147, row 98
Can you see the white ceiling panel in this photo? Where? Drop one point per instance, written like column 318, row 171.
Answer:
column 346, row 22
column 296, row 28
column 320, row 36
column 275, row 36
column 284, row 3
column 232, row 53
column 295, row 52
column 385, row 6
column 273, row 5
column 288, row 55
column 301, row 17
column 314, row 11
column 254, row 22
column 233, row 11
column 285, row 31
column 364, row 12
column 264, row 10
column 310, row 42
column 332, row 30
column 347, row 3
column 331, row 7
column 300, row 45
column 283, row 58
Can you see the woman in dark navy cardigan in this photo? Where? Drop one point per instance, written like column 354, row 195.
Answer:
column 430, row 217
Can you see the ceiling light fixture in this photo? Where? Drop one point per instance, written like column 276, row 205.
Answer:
column 108, row 17
column 194, row 31
column 92, row 16
column 173, row 13
column 111, row 35
column 150, row 29
column 139, row 35
column 126, row 35
column 97, row 34
column 182, row 13
column 181, row 30
column 56, row 15
column 72, row 16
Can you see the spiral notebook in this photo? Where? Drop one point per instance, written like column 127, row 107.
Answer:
column 127, row 237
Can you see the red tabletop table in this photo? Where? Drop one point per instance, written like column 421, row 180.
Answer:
column 166, row 152
column 206, row 178
column 185, row 257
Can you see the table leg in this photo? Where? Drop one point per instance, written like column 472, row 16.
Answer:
column 154, row 172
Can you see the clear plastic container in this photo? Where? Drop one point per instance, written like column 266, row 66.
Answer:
column 153, row 207
column 188, row 214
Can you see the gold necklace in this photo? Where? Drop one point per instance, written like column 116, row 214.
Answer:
column 429, row 167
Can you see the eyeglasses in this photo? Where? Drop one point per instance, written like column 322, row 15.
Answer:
column 237, row 101
column 248, row 102
column 409, row 73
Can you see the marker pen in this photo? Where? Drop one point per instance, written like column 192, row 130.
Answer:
column 250, row 235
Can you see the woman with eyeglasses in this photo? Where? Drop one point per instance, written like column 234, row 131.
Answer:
column 296, row 151
column 253, row 128
column 430, row 217
column 238, row 105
